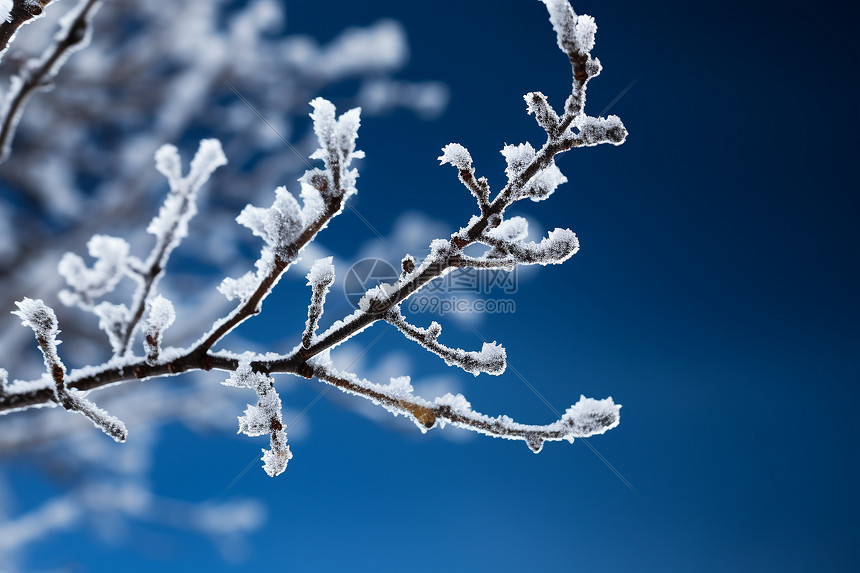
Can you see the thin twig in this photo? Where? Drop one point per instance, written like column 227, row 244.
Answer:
column 36, row 73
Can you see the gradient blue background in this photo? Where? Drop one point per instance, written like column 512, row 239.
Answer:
column 715, row 297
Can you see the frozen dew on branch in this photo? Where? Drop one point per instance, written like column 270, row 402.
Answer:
column 456, row 155
column 589, row 417
column 596, row 130
column 112, row 320
column 171, row 223
column 277, row 225
column 169, row 164
column 75, row 401
column 336, row 137
column 558, row 246
column 513, row 229
column 491, row 359
column 320, row 278
column 160, row 318
column 263, row 418
column 574, row 33
column 161, row 314
column 539, row 186
column 241, row 288
column 321, row 273
column 43, row 321
column 87, row 284
column 538, row 105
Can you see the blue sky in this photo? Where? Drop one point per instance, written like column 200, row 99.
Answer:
column 715, row 297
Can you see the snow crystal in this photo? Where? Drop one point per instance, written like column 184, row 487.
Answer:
column 322, row 272
column 558, row 246
column 518, row 157
column 584, row 33
column 112, row 320
column 589, row 416
column 565, row 23
column 40, row 317
column 375, row 297
column 275, row 460
column 400, row 388
column 544, row 183
column 324, row 127
column 209, row 157
column 241, row 288
column 347, row 130
column 171, row 223
column 510, row 230
column 161, row 314
column 263, row 418
column 537, row 104
column 594, row 130
column 337, row 145
column 111, row 254
column 168, row 163
column 277, row 225
column 313, row 203
column 456, row 155
column 457, row 403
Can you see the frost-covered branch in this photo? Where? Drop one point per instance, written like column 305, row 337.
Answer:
column 490, row 359
column 13, row 15
column 320, row 278
column 169, row 227
column 38, row 73
column 588, row 417
column 42, row 320
column 264, row 418
column 289, row 225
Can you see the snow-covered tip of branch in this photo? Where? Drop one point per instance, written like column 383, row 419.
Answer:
column 161, row 316
column 514, row 229
column 278, row 225
column 337, row 146
column 456, row 155
column 113, row 320
column 589, row 417
column 558, row 246
column 264, row 418
column 547, row 118
column 4, row 382
column 585, row 418
column 596, row 130
column 459, row 157
column 179, row 207
column 320, row 278
column 575, row 34
column 490, row 359
column 539, row 186
column 87, row 284
column 42, row 320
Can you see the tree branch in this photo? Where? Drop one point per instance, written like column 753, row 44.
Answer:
column 37, row 73
column 22, row 12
